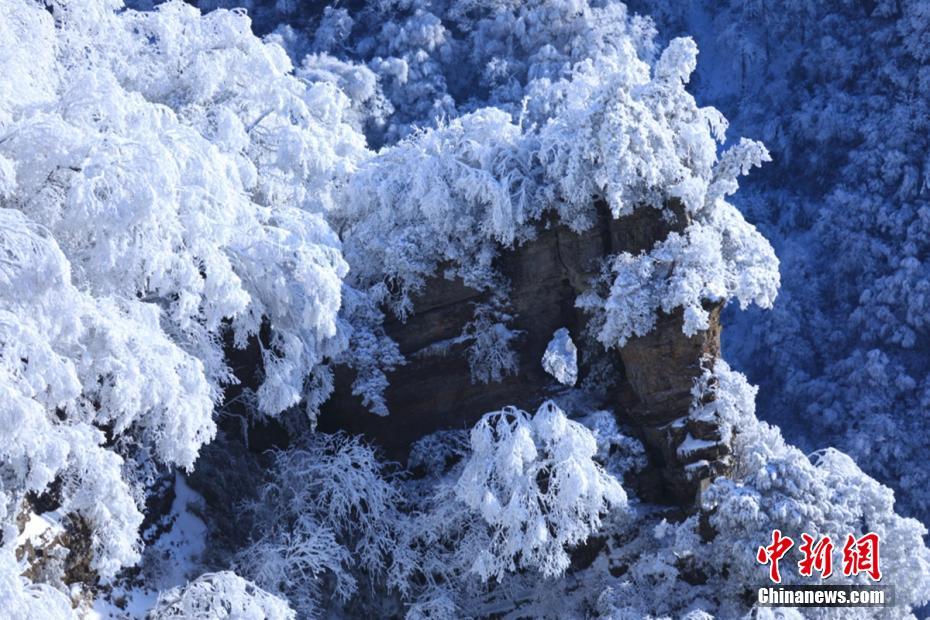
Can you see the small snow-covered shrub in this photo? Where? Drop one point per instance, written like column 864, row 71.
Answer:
column 325, row 520
column 218, row 596
column 534, row 482
column 491, row 354
column 619, row 453
column 510, row 502
column 561, row 358
column 436, row 453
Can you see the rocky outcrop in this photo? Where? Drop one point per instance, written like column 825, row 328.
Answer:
column 661, row 369
column 652, row 377
column 56, row 549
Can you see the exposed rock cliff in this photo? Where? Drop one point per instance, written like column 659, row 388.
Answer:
column 653, row 375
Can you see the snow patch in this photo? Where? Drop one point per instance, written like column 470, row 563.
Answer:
column 691, row 445
column 561, row 358
column 171, row 561
column 41, row 528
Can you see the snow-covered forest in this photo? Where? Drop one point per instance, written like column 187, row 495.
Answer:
column 459, row 308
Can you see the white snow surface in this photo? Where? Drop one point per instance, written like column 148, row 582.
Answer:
column 173, row 558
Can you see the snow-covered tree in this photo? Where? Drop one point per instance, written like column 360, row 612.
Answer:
column 164, row 180
column 536, row 486
column 325, row 519
column 215, row 596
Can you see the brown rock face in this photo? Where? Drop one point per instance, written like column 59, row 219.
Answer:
column 661, row 368
column 60, row 556
column 653, row 374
